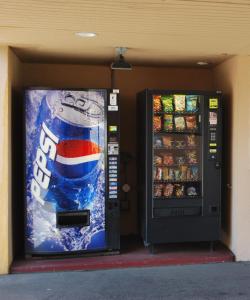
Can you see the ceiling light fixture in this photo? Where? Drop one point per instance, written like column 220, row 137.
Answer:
column 86, row 34
column 120, row 63
column 202, row 63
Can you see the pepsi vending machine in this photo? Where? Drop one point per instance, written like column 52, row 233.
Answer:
column 71, row 172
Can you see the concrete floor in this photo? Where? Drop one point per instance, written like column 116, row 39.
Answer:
column 207, row 281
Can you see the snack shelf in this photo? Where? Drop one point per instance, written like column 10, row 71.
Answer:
column 162, row 198
column 176, row 181
column 188, row 113
column 175, row 148
column 162, row 132
column 176, row 165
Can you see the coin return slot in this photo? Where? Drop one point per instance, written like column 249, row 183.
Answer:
column 73, row 219
column 214, row 209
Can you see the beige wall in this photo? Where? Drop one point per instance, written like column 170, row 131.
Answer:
column 233, row 78
column 9, row 79
column 5, row 245
column 129, row 83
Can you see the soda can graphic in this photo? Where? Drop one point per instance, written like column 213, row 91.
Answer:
column 65, row 168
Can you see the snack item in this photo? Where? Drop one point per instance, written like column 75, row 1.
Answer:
column 177, row 174
column 158, row 142
column 179, row 190
column 191, row 191
column 157, row 103
column 165, row 173
column 157, row 123
column 192, row 157
column 170, row 174
column 154, row 173
column 191, row 141
column 180, row 160
column 180, row 144
column 179, row 102
column 179, row 123
column 168, row 190
column 194, row 173
column 167, row 103
column 168, row 159
column 191, row 122
column 168, row 122
column 184, row 173
column 158, row 173
column 192, row 101
column 167, row 141
column 158, row 190
column 157, row 160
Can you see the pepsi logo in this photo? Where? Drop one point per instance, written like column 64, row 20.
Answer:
column 76, row 158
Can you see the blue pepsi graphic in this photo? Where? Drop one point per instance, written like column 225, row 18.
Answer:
column 65, row 168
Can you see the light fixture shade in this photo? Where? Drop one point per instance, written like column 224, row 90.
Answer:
column 121, row 64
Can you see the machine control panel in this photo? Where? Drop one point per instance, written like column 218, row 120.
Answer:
column 213, row 128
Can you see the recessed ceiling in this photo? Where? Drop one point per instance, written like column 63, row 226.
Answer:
column 166, row 32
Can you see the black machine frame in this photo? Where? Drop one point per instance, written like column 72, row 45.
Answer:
column 179, row 220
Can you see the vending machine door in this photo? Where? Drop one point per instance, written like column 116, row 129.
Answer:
column 179, row 165
column 65, row 170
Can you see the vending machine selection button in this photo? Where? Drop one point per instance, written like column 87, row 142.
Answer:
column 112, row 192
column 113, row 128
column 113, row 148
column 112, row 175
column 113, row 167
column 212, row 150
column 213, row 145
column 112, row 179
column 112, row 171
column 213, row 103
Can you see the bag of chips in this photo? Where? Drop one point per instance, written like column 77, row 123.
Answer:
column 179, row 102
column 167, row 103
column 192, row 101
column 184, row 173
column 157, row 103
column 157, row 160
column 191, row 140
column 157, row 123
column 158, row 190
column 165, row 173
column 171, row 174
column 168, row 141
column 168, row 159
column 192, row 157
column 177, row 174
column 191, row 122
column 168, row 190
column 180, row 144
column 158, row 174
column 194, row 173
column 179, row 123
column 157, row 142
column 179, row 190
column 191, row 191
column 168, row 122
column 180, row 160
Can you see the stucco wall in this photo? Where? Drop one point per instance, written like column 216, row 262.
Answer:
column 233, row 77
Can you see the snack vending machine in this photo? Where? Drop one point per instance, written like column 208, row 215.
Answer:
column 179, row 165
column 71, row 172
